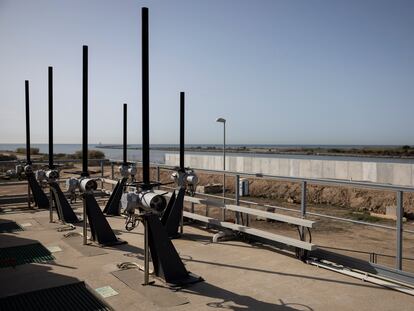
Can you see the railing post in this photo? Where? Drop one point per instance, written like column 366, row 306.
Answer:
column 50, row 205
column 158, row 175
column 237, row 193
column 146, row 252
column 224, row 197
column 28, row 195
column 303, row 199
column 102, row 173
column 400, row 214
column 112, row 173
column 248, row 217
column 85, row 221
column 303, row 208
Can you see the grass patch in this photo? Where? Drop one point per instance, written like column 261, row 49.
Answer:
column 361, row 216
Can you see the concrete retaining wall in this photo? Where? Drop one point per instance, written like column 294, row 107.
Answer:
column 378, row 172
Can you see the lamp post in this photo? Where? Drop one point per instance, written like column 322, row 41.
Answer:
column 222, row 120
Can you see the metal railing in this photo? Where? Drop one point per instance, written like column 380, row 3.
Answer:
column 399, row 191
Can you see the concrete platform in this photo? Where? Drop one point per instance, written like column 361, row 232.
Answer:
column 238, row 276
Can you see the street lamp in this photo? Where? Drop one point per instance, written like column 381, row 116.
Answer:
column 222, row 120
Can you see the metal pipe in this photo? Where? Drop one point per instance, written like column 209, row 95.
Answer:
column 50, row 205
column 85, row 172
column 28, row 196
column 182, row 221
column 102, row 174
column 85, row 221
column 303, row 202
column 146, row 252
column 399, row 247
column 124, row 154
column 224, row 169
column 237, row 194
column 303, row 208
column 26, row 92
column 50, row 97
column 182, row 129
column 145, row 99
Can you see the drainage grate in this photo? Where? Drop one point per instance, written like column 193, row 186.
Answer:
column 10, row 226
column 19, row 255
column 67, row 297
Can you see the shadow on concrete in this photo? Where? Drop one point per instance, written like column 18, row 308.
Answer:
column 356, row 283
column 28, row 277
column 127, row 248
column 196, row 237
column 224, row 299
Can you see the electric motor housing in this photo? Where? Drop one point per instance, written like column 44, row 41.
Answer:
column 19, row 169
column 185, row 179
column 72, row 184
column 129, row 202
column 150, row 201
column 126, row 171
column 132, row 170
column 123, row 170
column 88, row 185
column 192, row 178
column 40, row 175
column 52, row 174
column 28, row 169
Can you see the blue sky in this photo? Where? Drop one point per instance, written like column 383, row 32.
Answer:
column 280, row 72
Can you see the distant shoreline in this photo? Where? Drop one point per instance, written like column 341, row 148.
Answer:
column 403, row 152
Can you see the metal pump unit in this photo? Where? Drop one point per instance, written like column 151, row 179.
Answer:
column 101, row 231
column 186, row 181
column 126, row 170
column 39, row 196
column 17, row 172
column 184, row 177
column 166, row 261
column 51, row 175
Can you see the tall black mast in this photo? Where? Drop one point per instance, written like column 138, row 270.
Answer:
column 85, row 112
column 125, row 136
column 26, row 89
column 50, row 91
column 145, row 100
column 182, row 104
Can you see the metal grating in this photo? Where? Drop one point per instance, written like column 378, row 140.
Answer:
column 67, row 297
column 10, row 226
column 19, row 255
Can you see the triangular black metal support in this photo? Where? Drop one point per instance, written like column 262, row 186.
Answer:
column 64, row 210
column 112, row 206
column 172, row 223
column 167, row 263
column 167, row 210
column 39, row 196
column 100, row 229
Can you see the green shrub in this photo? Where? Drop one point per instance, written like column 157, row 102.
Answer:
column 92, row 154
column 33, row 151
column 7, row 157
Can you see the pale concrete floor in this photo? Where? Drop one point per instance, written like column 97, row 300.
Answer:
column 238, row 276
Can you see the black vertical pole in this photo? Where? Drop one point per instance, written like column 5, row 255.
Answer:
column 145, row 99
column 182, row 124
column 85, row 112
column 125, row 136
column 50, row 89
column 26, row 89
